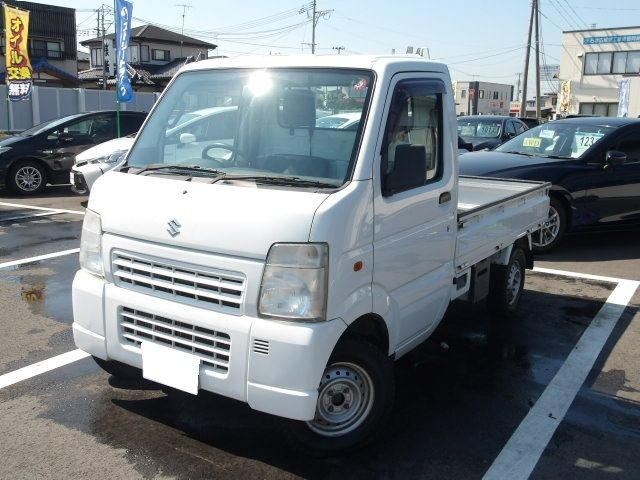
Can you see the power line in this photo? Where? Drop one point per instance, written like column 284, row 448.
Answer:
column 576, row 14
column 572, row 26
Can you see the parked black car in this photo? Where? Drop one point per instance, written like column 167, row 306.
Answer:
column 45, row 153
column 488, row 131
column 592, row 162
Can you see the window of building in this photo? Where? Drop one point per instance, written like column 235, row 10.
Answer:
column 463, row 94
column 96, row 57
column 160, row 55
column 3, row 40
column 134, row 54
column 481, row 94
column 495, row 95
column 599, row 109
column 612, row 62
column 44, row 48
column 144, row 53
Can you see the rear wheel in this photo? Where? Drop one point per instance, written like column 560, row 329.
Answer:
column 553, row 229
column 118, row 369
column 355, row 398
column 27, row 177
column 507, row 283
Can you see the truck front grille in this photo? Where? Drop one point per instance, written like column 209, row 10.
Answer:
column 213, row 347
column 206, row 288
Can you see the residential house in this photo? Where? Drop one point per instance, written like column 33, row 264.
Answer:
column 155, row 54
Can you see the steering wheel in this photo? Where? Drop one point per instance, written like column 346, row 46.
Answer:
column 224, row 146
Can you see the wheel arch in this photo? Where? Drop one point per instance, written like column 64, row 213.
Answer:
column 371, row 327
column 566, row 199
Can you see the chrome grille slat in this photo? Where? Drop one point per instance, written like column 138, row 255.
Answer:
column 211, row 346
column 213, row 290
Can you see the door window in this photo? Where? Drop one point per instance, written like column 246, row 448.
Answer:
column 415, row 118
column 510, row 128
column 520, row 127
column 630, row 144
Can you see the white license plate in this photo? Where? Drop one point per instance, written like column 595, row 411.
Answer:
column 170, row 367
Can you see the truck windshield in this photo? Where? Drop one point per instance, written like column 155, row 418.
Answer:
column 258, row 123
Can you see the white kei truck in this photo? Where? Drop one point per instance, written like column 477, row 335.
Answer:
column 286, row 261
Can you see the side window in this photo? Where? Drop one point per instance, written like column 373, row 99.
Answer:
column 520, row 127
column 130, row 124
column 415, row 121
column 77, row 128
column 630, row 144
column 103, row 128
column 510, row 128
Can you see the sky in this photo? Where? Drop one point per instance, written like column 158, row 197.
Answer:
column 479, row 40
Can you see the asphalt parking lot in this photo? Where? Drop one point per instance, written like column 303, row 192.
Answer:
column 473, row 396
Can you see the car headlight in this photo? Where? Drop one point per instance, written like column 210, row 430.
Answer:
column 294, row 282
column 4, row 149
column 111, row 158
column 91, row 243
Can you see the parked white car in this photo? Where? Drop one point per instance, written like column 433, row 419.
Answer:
column 96, row 161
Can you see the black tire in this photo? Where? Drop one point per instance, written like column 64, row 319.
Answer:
column 27, row 177
column 551, row 233
column 351, row 355
column 507, row 283
column 118, row 369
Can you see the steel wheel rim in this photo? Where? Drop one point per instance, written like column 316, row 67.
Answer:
column 514, row 281
column 345, row 399
column 549, row 231
column 28, row 178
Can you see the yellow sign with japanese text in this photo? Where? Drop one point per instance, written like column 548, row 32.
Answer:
column 18, row 67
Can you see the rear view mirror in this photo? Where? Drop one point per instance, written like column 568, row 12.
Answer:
column 615, row 158
column 298, row 109
column 409, row 169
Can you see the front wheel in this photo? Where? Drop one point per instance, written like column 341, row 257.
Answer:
column 355, row 398
column 27, row 178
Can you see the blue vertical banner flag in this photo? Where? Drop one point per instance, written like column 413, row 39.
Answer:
column 124, row 11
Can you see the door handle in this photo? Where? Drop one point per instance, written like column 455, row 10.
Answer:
column 444, row 197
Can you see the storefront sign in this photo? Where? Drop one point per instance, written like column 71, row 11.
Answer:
column 623, row 97
column 19, row 76
column 611, row 39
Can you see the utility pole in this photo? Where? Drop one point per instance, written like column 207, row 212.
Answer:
column 315, row 16
column 184, row 11
column 339, row 49
column 523, row 105
column 519, row 74
column 535, row 2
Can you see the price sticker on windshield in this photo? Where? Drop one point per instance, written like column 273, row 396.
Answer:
column 584, row 141
column 547, row 134
column 531, row 142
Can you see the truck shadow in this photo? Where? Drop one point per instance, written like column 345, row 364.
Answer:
column 459, row 396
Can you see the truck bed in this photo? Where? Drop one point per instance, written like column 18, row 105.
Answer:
column 493, row 213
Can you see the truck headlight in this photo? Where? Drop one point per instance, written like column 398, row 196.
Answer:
column 294, row 282
column 91, row 243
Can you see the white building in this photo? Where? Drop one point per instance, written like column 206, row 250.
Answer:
column 593, row 64
column 482, row 98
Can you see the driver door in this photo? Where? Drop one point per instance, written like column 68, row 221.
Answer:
column 75, row 137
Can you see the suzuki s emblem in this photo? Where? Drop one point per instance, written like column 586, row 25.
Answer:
column 174, row 227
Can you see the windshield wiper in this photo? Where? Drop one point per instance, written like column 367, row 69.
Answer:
column 517, row 153
column 181, row 169
column 556, row 156
column 275, row 180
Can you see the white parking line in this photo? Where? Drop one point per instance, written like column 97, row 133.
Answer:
column 41, row 367
column 46, row 256
column 46, row 209
column 24, row 217
column 520, row 455
column 586, row 276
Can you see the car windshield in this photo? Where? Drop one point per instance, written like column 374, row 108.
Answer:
column 256, row 124
column 473, row 129
column 556, row 139
column 37, row 129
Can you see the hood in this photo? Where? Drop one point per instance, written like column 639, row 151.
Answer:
column 499, row 164
column 105, row 148
column 11, row 139
column 227, row 219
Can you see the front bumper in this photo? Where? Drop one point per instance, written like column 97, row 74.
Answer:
column 273, row 366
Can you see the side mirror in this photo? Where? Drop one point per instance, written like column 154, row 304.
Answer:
column 409, row 170
column 187, row 138
column 614, row 158
column 65, row 137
